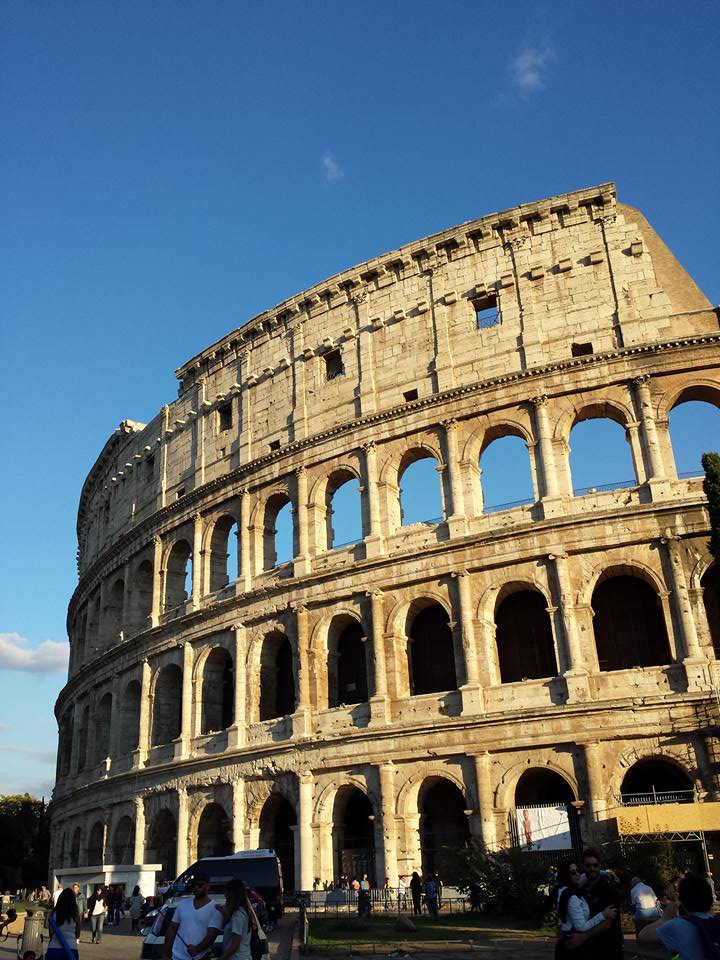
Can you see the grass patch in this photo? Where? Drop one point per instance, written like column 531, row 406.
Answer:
column 332, row 933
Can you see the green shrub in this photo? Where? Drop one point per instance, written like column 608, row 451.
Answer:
column 508, row 882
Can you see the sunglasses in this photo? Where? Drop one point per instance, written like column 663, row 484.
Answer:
column 592, row 866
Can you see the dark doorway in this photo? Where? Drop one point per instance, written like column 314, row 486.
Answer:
column 432, row 654
column 351, row 684
column 629, row 625
column 524, row 638
column 443, row 827
column 354, row 834
column 277, row 682
column 213, row 833
column 276, row 832
column 656, row 780
column 161, row 843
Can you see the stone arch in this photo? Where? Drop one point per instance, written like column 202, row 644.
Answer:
column 103, row 720
column 654, row 777
column 213, row 831
column 443, row 826
column 407, row 803
column 112, row 614
column 277, row 820
column 167, row 704
column 687, row 429
column 218, row 690
column 277, row 676
column 161, row 842
column 523, row 634
column 607, row 567
column 628, row 623
column 178, row 573
column 431, row 648
column 710, row 583
column 338, row 480
column 353, row 833
column 506, row 790
column 65, row 743
column 82, row 754
column 96, row 844
column 347, row 668
column 141, row 596
column 223, row 566
column 75, row 846
column 600, row 427
column 703, row 389
column 432, row 503
column 516, row 464
column 325, row 799
column 129, row 718
column 268, row 511
column 679, row 755
column 123, row 842
column 598, row 409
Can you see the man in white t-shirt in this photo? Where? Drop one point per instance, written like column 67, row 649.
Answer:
column 194, row 921
column 56, row 895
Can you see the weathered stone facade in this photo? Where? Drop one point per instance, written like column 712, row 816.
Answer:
column 163, row 729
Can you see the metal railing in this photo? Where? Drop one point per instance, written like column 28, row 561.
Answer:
column 497, row 507
column 653, row 797
column 692, row 474
column 604, row 487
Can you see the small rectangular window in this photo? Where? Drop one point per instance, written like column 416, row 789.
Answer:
column 487, row 313
column 225, row 417
column 581, row 349
column 149, row 469
column 180, row 493
column 333, row 364
column 274, row 444
column 410, row 395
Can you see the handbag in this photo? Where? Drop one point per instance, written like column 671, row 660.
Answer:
column 259, row 946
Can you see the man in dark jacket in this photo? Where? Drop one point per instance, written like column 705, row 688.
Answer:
column 600, row 892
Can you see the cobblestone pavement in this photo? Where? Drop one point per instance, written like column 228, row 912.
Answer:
column 119, row 944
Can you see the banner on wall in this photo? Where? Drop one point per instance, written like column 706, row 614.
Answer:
column 544, row 828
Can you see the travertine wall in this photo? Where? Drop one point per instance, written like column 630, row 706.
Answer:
column 596, row 319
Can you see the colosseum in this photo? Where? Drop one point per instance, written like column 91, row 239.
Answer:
column 369, row 706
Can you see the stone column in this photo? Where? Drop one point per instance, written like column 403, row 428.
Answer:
column 305, row 818
column 576, row 674
column 91, row 760
column 389, row 829
column 237, row 734
column 550, row 490
column 245, row 568
column 379, row 703
column 157, row 584
column 647, row 419
column 597, row 791
column 139, row 849
column 374, row 540
column 198, row 579
column 456, row 519
column 182, row 746
column 484, row 791
column 472, row 698
column 301, row 563
column 75, row 742
column 182, row 831
column 143, row 747
column 103, row 640
column 632, row 432
column 114, row 741
column 301, row 719
column 712, row 748
column 695, row 662
column 238, row 814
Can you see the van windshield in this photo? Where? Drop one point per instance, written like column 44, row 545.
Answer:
column 255, row 872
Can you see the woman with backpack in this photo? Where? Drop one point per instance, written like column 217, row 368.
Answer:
column 64, row 925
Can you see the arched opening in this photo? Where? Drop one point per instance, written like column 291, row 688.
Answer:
column 420, row 492
column 343, row 511
column 347, row 667
column 443, row 827
column 123, row 846
column 505, row 474
column 600, row 456
column 103, row 719
column 95, row 855
column 66, row 740
column 142, row 596
column 629, row 625
column 656, row 780
column 277, row 680
column 167, row 705
column 75, row 848
column 694, row 419
column 61, row 850
column 218, row 689
column 93, row 630
column 178, row 577
column 79, row 643
column 129, row 719
column 161, row 843
column 278, row 534
column 524, row 637
column 82, row 757
column 353, row 834
column 213, row 837
column 113, row 612
column 223, row 553
column 431, row 650
column 277, row 820
column 544, row 817
column 710, row 584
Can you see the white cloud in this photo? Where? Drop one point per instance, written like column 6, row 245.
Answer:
column 16, row 653
column 43, row 756
column 527, row 68
column 331, row 168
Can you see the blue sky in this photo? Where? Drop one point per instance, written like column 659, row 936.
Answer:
column 169, row 169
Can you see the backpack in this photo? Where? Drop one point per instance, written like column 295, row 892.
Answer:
column 709, row 932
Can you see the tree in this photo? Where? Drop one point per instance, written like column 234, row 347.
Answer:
column 24, row 841
column 509, row 882
column 711, row 486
